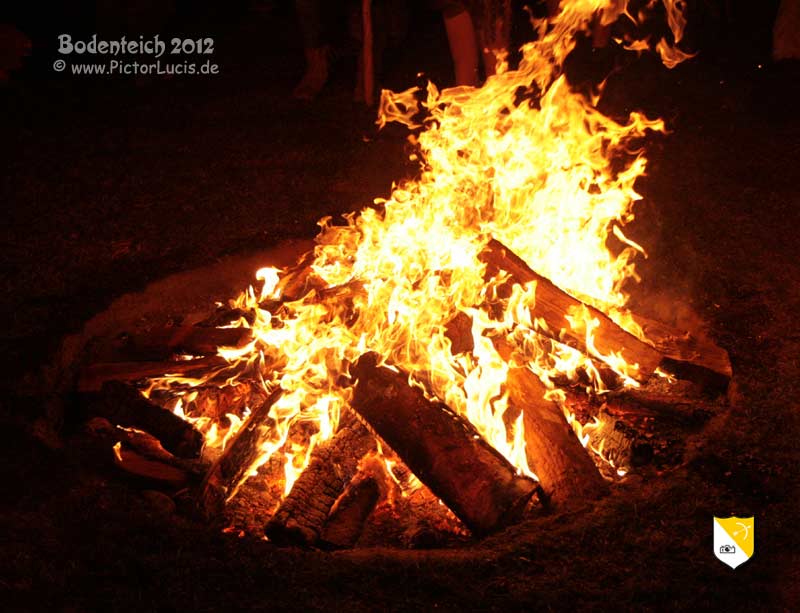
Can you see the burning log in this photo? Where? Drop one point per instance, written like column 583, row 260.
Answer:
column 565, row 469
column 141, row 455
column 444, row 451
column 553, row 305
column 232, row 466
column 124, row 405
column 92, row 378
column 676, row 407
column 334, row 463
column 689, row 357
column 346, row 520
column 162, row 342
column 618, row 444
column 147, row 469
column 216, row 402
column 149, row 447
column 676, row 352
column 637, row 427
column 459, row 332
column 298, row 280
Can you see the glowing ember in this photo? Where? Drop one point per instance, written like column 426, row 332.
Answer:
column 524, row 160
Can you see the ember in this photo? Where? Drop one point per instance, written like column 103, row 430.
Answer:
column 464, row 320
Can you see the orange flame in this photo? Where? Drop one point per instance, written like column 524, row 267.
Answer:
column 523, row 159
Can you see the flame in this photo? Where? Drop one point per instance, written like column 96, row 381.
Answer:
column 523, row 159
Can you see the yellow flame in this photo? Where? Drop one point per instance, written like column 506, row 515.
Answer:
column 523, row 159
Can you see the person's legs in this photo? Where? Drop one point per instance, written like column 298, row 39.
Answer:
column 463, row 46
column 601, row 35
column 786, row 31
column 494, row 32
column 310, row 18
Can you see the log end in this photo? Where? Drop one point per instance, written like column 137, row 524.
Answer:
column 346, row 521
column 288, row 531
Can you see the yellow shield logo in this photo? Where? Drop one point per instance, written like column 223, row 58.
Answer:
column 734, row 539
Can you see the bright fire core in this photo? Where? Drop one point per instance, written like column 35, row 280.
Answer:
column 523, row 159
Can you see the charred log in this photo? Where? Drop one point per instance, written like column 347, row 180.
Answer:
column 149, row 447
column 301, row 517
column 232, row 466
column 124, row 405
column 225, row 315
column 92, row 378
column 679, row 408
column 688, row 356
column 346, row 520
column 139, row 455
column 162, row 342
column 566, row 471
column 149, row 470
column 444, row 451
column 638, row 427
column 553, row 305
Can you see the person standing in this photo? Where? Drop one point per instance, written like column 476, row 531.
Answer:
column 310, row 17
column 472, row 25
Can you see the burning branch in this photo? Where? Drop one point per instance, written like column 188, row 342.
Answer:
column 303, row 513
column 232, row 467
column 445, row 452
column 553, row 305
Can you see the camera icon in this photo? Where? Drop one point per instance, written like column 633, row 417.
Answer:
column 727, row 549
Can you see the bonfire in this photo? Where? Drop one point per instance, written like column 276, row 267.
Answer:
column 438, row 345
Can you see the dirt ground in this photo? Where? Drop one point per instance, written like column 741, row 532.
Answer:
column 111, row 185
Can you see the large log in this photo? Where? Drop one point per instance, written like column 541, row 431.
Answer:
column 553, row 304
column 124, row 405
column 302, row 515
column 231, row 468
column 444, row 451
column 161, row 342
column 346, row 521
column 565, row 470
column 92, row 378
column 149, row 470
column 689, row 356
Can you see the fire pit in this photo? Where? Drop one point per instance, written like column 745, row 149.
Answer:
column 400, row 468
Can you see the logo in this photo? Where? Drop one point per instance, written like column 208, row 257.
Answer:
column 734, row 538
